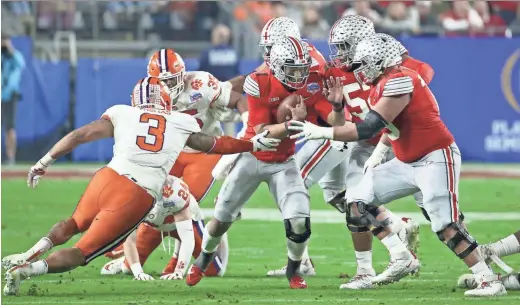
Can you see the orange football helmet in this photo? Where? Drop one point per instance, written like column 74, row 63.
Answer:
column 169, row 67
column 151, row 93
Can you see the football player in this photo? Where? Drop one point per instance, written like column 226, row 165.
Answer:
column 289, row 74
column 427, row 159
column 148, row 138
column 205, row 98
column 177, row 215
column 320, row 161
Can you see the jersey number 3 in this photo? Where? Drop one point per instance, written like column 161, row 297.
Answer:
column 157, row 132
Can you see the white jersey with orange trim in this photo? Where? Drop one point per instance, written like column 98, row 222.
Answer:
column 202, row 91
column 147, row 143
column 176, row 197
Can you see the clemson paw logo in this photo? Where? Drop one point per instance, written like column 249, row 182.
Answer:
column 196, row 84
column 167, row 191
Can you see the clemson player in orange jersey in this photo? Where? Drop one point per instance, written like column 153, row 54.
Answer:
column 148, row 138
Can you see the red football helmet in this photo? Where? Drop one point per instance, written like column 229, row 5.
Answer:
column 169, row 67
column 151, row 93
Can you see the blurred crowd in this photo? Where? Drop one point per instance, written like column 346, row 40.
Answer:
column 193, row 20
column 475, row 18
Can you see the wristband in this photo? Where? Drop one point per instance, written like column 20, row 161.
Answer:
column 47, row 160
column 136, row 269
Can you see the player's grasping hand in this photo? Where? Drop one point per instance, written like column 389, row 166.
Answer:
column 298, row 113
column 308, row 131
column 39, row 169
column 334, row 93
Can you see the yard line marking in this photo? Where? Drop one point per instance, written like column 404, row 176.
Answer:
column 321, row 216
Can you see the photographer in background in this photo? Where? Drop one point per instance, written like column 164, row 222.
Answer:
column 12, row 67
column 220, row 59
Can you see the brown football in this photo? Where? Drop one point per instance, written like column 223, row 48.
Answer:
column 284, row 113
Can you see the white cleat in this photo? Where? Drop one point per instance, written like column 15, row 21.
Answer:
column 13, row 279
column 14, row 260
column 306, row 269
column 113, row 267
column 409, row 234
column 362, row 280
column 488, row 286
column 398, row 269
column 510, row 281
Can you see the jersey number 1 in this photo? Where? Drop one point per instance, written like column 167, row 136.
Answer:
column 157, row 132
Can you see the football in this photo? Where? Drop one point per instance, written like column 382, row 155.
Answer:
column 284, row 113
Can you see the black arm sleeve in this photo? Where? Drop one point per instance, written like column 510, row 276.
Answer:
column 370, row 126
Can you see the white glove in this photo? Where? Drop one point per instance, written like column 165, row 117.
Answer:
column 143, row 277
column 377, row 157
column 308, row 131
column 177, row 275
column 39, row 169
column 261, row 143
column 139, row 274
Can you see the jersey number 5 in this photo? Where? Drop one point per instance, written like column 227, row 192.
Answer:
column 157, row 132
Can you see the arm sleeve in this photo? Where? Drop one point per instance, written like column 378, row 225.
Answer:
column 185, row 232
column 398, row 86
column 18, row 58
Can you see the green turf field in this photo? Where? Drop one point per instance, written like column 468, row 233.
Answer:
column 256, row 247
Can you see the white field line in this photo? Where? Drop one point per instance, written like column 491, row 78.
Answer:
column 320, row 216
column 352, row 299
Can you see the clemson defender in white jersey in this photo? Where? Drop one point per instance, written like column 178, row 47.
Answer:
column 148, row 139
column 176, row 215
column 206, row 99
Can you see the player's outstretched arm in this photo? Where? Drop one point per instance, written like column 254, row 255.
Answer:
column 96, row 130
column 184, row 226
column 383, row 113
column 227, row 145
column 132, row 256
column 237, row 101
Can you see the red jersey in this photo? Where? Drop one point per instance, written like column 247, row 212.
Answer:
column 358, row 106
column 264, row 95
column 418, row 129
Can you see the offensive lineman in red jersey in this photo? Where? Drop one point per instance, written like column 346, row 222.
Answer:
column 289, row 74
column 344, row 36
column 427, row 160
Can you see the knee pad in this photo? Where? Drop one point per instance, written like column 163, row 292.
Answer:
column 460, row 235
column 366, row 219
column 298, row 230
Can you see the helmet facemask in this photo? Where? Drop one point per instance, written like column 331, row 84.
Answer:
column 266, row 52
column 291, row 74
column 368, row 70
column 174, row 83
column 151, row 96
column 341, row 53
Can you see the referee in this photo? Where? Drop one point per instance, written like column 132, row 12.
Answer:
column 12, row 67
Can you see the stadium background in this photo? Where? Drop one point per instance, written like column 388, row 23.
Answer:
column 85, row 56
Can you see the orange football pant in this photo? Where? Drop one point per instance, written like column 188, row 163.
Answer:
column 195, row 170
column 111, row 208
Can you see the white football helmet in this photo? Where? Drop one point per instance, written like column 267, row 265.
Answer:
column 372, row 56
column 151, row 93
column 391, row 39
column 344, row 35
column 290, row 62
column 274, row 30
